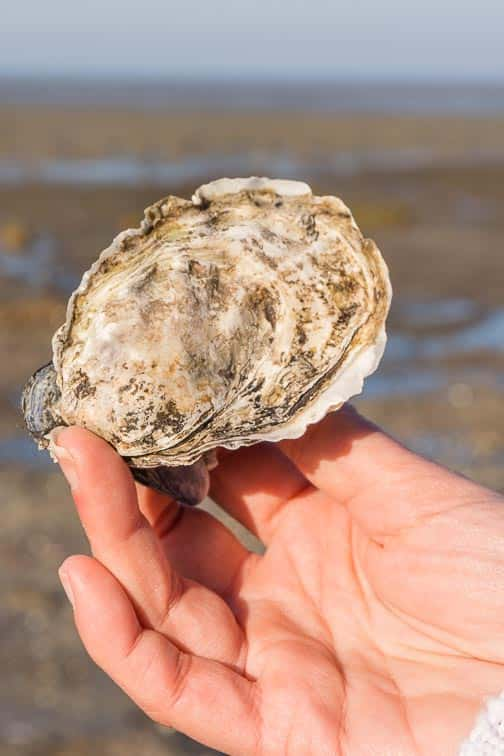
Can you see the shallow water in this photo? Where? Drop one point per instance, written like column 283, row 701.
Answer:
column 467, row 327
column 154, row 171
column 22, row 450
column 36, row 264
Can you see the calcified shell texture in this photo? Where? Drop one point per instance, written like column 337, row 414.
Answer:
column 239, row 316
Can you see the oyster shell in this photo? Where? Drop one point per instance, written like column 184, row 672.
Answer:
column 240, row 316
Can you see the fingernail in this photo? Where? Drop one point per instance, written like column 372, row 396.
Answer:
column 64, row 459
column 67, row 586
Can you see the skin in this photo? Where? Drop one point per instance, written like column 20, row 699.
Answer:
column 372, row 624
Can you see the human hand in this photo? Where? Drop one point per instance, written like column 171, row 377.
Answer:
column 372, row 624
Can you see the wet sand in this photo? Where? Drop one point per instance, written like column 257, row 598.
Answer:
column 44, row 131
column 429, row 190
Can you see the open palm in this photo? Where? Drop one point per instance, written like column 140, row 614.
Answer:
column 372, row 624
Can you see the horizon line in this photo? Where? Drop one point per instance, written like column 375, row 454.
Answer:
column 252, row 78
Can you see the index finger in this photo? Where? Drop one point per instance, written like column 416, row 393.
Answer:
column 254, row 484
column 383, row 485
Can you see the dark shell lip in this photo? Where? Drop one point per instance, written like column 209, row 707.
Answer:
column 186, row 484
column 37, row 403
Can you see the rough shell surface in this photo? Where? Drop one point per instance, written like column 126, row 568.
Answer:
column 242, row 315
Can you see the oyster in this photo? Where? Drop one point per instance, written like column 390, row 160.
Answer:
column 241, row 316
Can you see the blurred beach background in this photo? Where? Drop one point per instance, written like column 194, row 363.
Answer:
column 104, row 109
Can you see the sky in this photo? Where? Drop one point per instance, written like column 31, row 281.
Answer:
column 449, row 39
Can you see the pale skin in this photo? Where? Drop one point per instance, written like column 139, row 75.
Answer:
column 372, row 624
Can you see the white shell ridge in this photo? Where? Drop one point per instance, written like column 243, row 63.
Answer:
column 221, row 187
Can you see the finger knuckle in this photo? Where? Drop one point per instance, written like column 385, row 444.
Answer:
column 179, row 680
